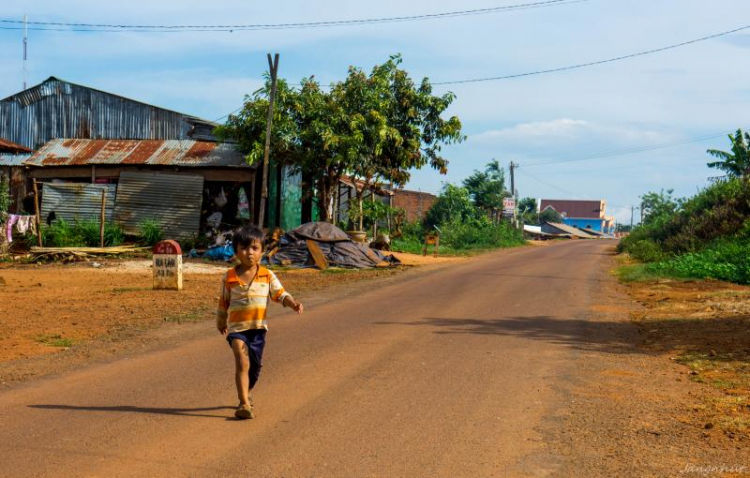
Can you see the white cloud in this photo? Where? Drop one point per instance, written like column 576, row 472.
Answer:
column 569, row 134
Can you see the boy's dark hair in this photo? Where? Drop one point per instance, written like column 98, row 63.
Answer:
column 246, row 235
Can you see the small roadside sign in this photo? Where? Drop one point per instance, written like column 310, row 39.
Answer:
column 167, row 265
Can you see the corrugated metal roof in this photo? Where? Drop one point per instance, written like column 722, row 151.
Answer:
column 584, row 209
column 13, row 159
column 172, row 200
column 77, row 201
column 574, row 231
column 59, row 109
column 12, row 148
column 189, row 153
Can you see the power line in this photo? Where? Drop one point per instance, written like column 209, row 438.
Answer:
column 629, row 151
column 583, row 65
column 69, row 26
column 593, row 63
column 226, row 115
column 564, row 191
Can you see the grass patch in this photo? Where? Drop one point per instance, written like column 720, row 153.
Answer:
column 639, row 273
column 123, row 290
column 338, row 270
column 186, row 318
column 414, row 246
column 54, row 340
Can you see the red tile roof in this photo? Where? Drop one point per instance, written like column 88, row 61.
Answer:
column 585, row 209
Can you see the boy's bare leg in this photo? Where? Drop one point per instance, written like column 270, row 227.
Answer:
column 242, row 367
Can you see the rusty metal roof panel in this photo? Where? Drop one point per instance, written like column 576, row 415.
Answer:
column 12, row 148
column 185, row 153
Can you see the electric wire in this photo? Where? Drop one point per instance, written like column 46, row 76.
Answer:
column 630, row 151
column 582, row 65
column 88, row 27
column 553, row 186
column 594, row 63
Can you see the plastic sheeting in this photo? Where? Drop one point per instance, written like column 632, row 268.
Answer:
column 338, row 249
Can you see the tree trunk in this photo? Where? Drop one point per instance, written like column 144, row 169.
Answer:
column 323, row 196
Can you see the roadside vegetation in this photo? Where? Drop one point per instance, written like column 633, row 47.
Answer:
column 706, row 236
column 466, row 217
column 704, row 324
column 86, row 233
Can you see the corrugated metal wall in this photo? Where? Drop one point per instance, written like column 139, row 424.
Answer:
column 172, row 200
column 57, row 109
column 77, row 202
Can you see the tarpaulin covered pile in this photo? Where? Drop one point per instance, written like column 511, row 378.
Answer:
column 337, row 248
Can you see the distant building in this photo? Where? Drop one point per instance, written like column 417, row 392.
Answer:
column 415, row 203
column 583, row 214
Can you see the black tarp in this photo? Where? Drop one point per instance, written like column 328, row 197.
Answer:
column 338, row 249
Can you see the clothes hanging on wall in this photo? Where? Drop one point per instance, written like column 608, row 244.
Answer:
column 22, row 224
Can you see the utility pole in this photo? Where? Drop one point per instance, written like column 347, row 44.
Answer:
column 25, row 46
column 632, row 213
column 513, row 167
column 274, row 68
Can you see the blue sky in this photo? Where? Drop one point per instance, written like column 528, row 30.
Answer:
column 665, row 98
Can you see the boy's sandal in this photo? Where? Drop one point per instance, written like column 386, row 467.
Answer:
column 244, row 412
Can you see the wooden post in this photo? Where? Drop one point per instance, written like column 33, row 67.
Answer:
column 36, row 211
column 101, row 220
column 274, row 66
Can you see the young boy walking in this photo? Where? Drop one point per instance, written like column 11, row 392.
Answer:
column 241, row 316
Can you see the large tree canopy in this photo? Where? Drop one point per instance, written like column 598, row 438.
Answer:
column 376, row 126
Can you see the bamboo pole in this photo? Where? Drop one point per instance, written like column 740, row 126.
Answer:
column 102, row 217
column 36, row 215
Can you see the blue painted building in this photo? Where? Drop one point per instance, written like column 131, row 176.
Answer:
column 583, row 214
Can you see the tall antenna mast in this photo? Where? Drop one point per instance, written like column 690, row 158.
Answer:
column 25, row 46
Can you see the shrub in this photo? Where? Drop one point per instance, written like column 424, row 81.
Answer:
column 727, row 260
column 62, row 234
column 151, row 232
column 646, row 250
column 481, row 234
column 84, row 233
column 4, row 195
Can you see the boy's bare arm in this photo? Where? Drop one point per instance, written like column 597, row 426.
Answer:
column 293, row 304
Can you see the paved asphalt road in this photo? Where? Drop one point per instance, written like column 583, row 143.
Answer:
column 450, row 373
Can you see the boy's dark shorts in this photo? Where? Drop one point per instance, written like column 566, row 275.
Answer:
column 255, row 341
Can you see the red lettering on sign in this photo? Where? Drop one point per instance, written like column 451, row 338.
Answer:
column 168, row 247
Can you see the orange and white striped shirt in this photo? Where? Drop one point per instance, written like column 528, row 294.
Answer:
column 243, row 306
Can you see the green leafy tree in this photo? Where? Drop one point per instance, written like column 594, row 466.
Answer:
column 305, row 133
column 550, row 215
column 528, row 210
column 658, row 207
column 394, row 125
column 452, row 205
column 487, row 188
column 377, row 127
column 737, row 162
